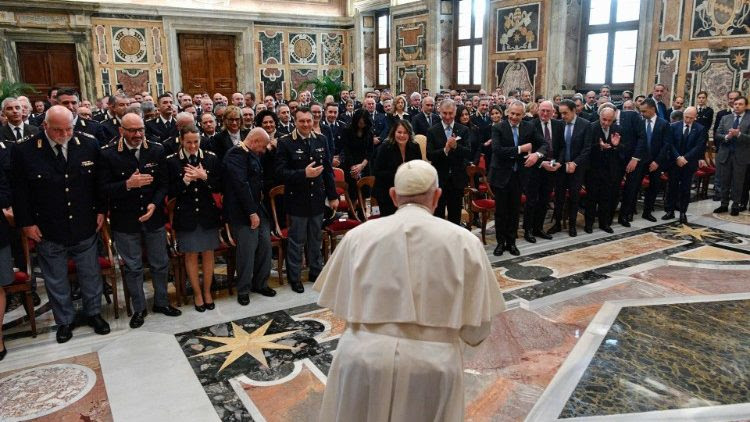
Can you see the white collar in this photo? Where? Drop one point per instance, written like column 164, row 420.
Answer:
column 13, row 127
column 165, row 121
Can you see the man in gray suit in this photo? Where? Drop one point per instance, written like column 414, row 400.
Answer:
column 733, row 135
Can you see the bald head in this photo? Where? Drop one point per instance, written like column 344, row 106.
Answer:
column 689, row 115
column 132, row 129
column 606, row 117
column 257, row 140
column 58, row 124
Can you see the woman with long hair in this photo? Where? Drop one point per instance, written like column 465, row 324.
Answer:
column 357, row 149
column 398, row 148
column 463, row 116
column 193, row 179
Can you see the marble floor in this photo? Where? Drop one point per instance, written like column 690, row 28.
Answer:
column 648, row 323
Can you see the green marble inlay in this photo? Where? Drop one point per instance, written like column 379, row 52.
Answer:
column 668, row 357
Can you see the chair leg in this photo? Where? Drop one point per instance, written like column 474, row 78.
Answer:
column 485, row 217
column 113, row 279
column 126, row 292
column 28, row 304
column 280, row 264
column 107, row 297
column 231, row 267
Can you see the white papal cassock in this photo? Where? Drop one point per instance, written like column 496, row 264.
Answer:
column 410, row 287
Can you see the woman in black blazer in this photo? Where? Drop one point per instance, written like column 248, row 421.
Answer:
column 399, row 148
column 357, row 150
column 193, row 178
column 463, row 116
column 7, row 274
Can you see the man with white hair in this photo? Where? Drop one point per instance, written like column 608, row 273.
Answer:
column 26, row 109
column 57, row 205
column 391, row 280
column 415, row 102
column 603, row 177
column 15, row 130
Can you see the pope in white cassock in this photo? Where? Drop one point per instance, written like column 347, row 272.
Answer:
column 412, row 288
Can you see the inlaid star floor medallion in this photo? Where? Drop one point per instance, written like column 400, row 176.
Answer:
column 243, row 342
column 696, row 233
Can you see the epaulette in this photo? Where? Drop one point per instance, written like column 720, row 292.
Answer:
column 210, row 153
column 171, row 155
column 106, row 146
column 88, row 135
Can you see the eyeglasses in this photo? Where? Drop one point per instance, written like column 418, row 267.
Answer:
column 233, row 119
column 135, row 130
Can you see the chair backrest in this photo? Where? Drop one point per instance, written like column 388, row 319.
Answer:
column 422, row 141
column 275, row 192
column 368, row 181
column 338, row 175
column 344, row 187
column 476, row 172
column 107, row 241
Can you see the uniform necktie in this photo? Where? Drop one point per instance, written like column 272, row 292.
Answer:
column 568, row 136
column 649, row 133
column 735, row 125
column 60, row 155
column 548, row 138
column 18, row 134
column 193, row 160
column 429, row 119
column 515, row 142
column 133, row 153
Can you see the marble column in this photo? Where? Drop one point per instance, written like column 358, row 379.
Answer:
column 643, row 79
column 434, row 55
column 557, row 53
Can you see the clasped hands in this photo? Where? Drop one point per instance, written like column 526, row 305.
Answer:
column 194, row 173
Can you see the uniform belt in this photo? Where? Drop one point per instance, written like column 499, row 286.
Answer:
column 410, row 331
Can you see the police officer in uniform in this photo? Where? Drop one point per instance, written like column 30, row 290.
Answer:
column 69, row 99
column 111, row 125
column 56, row 204
column 133, row 176
column 163, row 128
column 303, row 165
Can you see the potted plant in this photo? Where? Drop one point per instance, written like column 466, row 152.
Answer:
column 14, row 89
column 330, row 84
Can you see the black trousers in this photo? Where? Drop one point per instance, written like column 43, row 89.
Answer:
column 537, row 190
column 452, row 200
column 680, row 182
column 507, row 207
column 632, row 188
column 603, row 193
column 567, row 182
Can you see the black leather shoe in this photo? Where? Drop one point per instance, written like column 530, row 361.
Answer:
column 556, row 228
column 668, row 216
column 137, row 319
column 200, row 308
column 629, row 218
column 529, row 237
column 588, row 229
column 312, row 278
column 721, row 209
column 607, row 229
column 683, row 218
column 572, row 232
column 735, row 212
column 36, row 299
column 623, row 222
column 168, row 310
column 243, row 300
column 64, row 333
column 266, row 291
column 210, row 306
column 297, row 287
column 3, row 353
column 542, row 235
column 513, row 250
column 743, row 208
column 99, row 324
column 649, row 217
column 498, row 250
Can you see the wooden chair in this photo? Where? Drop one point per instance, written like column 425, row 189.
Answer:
column 703, row 175
column 278, row 235
column 368, row 181
column 340, row 227
column 422, row 141
column 482, row 203
column 22, row 283
column 227, row 248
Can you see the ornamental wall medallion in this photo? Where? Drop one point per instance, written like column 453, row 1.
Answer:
column 518, row 28
column 129, row 45
column 303, row 48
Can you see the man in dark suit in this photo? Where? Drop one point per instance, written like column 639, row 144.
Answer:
column 629, row 124
column 69, row 99
column 688, row 147
column 658, row 95
column 422, row 122
column 481, row 118
column 571, row 159
column 734, row 155
column 163, row 128
column 208, row 129
column 449, row 150
column 111, row 126
column 286, row 125
column 15, row 130
column 538, row 184
column 133, row 177
column 415, row 104
column 705, row 112
column 378, row 120
column 512, row 140
column 57, row 205
column 651, row 162
column 353, row 97
column 604, row 172
column 731, row 96
column 333, row 131
column 342, row 102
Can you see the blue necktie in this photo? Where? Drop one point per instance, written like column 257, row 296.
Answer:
column 568, row 136
column 736, row 123
column 649, row 133
column 515, row 142
column 448, row 132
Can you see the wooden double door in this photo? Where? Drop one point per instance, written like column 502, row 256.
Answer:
column 207, row 64
column 47, row 65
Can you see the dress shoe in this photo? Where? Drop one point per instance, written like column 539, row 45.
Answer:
column 200, row 308
column 513, row 250
column 99, row 324
column 721, row 209
column 3, row 353
column 629, row 218
column 668, row 216
column 542, row 235
column 64, row 333
column 623, row 222
column 137, row 319
column 168, row 310
column 556, row 228
column 572, row 232
column 312, row 278
column 743, row 208
column 649, row 217
column 210, row 306
column 716, row 198
column 683, row 218
column 35, row 299
column 607, row 229
column 588, row 229
column 297, row 287
column 734, row 212
column 498, row 250
column 266, row 291
column 529, row 237
column 243, row 300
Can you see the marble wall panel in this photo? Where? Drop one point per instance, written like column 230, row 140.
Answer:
column 368, row 57
column 270, row 79
column 510, row 75
column 332, row 46
column 716, row 72
column 303, row 48
column 299, row 76
column 411, row 42
column 518, row 28
column 720, row 18
column 411, row 78
column 670, row 26
column 133, row 81
column 669, row 66
column 269, row 47
column 446, row 50
column 409, row 68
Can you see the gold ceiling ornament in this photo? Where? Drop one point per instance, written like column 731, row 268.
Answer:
column 696, row 233
column 243, row 342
